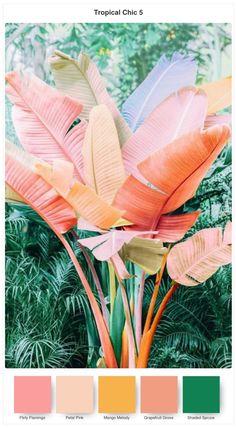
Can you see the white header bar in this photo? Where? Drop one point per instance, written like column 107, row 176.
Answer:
column 177, row 12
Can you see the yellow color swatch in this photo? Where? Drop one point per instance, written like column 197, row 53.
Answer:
column 116, row 394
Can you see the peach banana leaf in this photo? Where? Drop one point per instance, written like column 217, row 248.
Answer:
column 84, row 200
column 218, row 94
column 42, row 117
column 193, row 261
column 103, row 165
column 167, row 77
column 81, row 80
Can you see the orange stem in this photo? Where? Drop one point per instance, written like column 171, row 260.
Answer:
column 155, row 294
column 147, row 339
column 124, row 363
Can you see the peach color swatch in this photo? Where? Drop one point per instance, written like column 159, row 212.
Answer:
column 32, row 394
column 159, row 394
column 116, row 394
column 74, row 394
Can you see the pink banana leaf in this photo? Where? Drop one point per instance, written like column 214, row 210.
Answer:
column 42, row 117
column 179, row 114
column 108, row 244
column 228, row 233
column 120, row 267
column 217, row 119
column 147, row 253
column 73, row 143
column 83, row 224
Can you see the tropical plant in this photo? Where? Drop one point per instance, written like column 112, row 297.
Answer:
column 88, row 167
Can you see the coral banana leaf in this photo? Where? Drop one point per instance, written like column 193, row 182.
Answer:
column 42, row 117
column 179, row 114
column 173, row 228
column 176, row 170
column 141, row 203
column 21, row 178
column 199, row 257
column 81, row 80
column 103, row 165
column 83, row 199
column 218, row 94
column 183, row 164
column 166, row 77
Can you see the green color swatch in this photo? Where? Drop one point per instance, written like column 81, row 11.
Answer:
column 201, row 394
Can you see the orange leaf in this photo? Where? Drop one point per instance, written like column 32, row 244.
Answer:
column 142, row 204
column 92, row 207
column 83, row 199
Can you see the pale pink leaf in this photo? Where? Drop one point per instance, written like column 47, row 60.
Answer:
column 179, row 114
column 199, row 257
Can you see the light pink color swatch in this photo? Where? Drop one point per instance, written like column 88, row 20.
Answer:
column 32, row 394
column 75, row 394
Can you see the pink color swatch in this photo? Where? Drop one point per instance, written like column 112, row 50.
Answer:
column 159, row 394
column 32, row 394
column 74, row 394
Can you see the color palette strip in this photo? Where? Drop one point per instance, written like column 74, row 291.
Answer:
column 116, row 394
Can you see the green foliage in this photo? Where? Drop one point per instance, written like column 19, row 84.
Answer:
column 45, row 302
